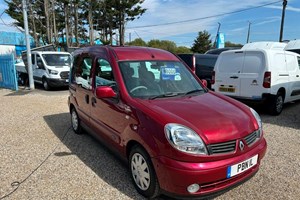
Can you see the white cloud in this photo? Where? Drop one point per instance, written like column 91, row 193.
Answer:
column 167, row 11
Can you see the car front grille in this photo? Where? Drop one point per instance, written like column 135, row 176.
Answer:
column 251, row 138
column 225, row 147
column 64, row 75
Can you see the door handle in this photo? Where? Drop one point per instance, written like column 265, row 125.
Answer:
column 94, row 101
column 234, row 77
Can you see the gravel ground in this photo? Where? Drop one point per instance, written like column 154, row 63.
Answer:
column 35, row 132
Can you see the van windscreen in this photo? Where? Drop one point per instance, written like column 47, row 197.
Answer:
column 57, row 60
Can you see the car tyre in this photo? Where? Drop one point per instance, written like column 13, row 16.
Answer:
column 46, row 84
column 142, row 172
column 276, row 104
column 75, row 121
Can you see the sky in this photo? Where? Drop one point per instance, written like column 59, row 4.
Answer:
column 181, row 20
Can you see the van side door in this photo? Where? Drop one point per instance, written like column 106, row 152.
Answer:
column 293, row 67
column 39, row 70
column 80, row 87
column 252, row 75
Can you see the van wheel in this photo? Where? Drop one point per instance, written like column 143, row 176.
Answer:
column 142, row 173
column 276, row 104
column 46, row 84
column 75, row 121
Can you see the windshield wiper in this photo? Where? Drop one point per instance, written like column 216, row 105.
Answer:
column 171, row 94
column 194, row 91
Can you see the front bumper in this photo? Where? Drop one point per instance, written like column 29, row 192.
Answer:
column 56, row 82
column 175, row 176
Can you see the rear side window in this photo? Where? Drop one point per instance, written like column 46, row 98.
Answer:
column 231, row 63
column 254, row 62
column 298, row 61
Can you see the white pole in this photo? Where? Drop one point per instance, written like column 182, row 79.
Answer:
column 29, row 63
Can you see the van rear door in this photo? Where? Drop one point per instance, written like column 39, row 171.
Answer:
column 227, row 73
column 252, row 75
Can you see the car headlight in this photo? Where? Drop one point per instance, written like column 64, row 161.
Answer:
column 53, row 72
column 185, row 139
column 259, row 122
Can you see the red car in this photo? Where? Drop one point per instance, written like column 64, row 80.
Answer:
column 180, row 139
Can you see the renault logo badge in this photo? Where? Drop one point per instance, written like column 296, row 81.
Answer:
column 242, row 146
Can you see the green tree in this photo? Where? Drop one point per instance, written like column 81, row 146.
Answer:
column 230, row 44
column 163, row 44
column 202, row 43
column 127, row 10
column 182, row 49
column 137, row 42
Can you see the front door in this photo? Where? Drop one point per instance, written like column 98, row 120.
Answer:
column 109, row 116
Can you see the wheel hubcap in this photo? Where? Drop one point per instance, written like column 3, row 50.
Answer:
column 140, row 171
column 74, row 120
column 279, row 104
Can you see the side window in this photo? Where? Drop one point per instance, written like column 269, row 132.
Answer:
column 81, row 72
column 104, row 74
column 298, row 62
column 33, row 59
column 39, row 62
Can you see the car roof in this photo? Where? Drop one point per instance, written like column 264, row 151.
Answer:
column 123, row 53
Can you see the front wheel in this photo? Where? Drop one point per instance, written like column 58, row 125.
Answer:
column 142, row 173
column 46, row 84
column 276, row 104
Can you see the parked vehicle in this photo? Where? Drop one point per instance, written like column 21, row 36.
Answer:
column 268, row 76
column 201, row 64
column 50, row 68
column 294, row 46
column 178, row 137
column 220, row 50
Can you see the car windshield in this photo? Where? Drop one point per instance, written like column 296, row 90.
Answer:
column 57, row 60
column 158, row 79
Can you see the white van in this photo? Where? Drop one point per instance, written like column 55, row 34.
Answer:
column 268, row 76
column 50, row 68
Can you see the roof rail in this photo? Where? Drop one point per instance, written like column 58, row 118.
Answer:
column 265, row 45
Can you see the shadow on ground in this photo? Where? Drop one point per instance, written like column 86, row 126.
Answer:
column 94, row 154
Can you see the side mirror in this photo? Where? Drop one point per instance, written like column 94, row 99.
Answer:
column 204, row 82
column 105, row 92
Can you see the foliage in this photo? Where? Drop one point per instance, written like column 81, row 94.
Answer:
column 161, row 44
column 137, row 42
column 202, row 43
column 51, row 21
column 230, row 44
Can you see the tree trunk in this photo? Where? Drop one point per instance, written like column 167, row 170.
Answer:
column 76, row 23
column 121, row 28
column 90, row 20
column 46, row 7
column 36, row 40
column 66, row 12
column 54, row 23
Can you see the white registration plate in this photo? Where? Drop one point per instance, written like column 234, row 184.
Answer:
column 241, row 167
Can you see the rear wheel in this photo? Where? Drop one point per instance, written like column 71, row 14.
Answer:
column 276, row 104
column 142, row 172
column 75, row 121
